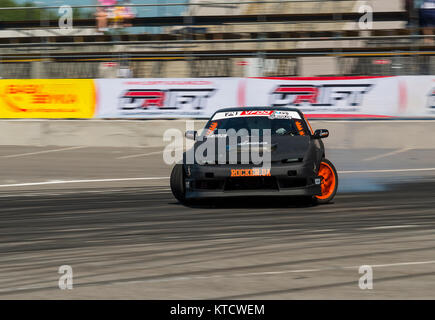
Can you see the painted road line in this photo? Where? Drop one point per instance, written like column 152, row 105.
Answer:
column 166, row 178
column 390, row 227
column 192, row 277
column 70, row 193
column 147, row 154
column 78, row 181
column 268, row 273
column 140, row 155
column 41, row 152
column 387, row 170
column 380, row 156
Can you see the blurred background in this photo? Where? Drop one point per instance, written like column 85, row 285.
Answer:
column 95, row 195
column 216, row 38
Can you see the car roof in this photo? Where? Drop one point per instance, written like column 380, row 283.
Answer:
column 233, row 109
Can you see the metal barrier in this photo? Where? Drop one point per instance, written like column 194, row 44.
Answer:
column 219, row 54
column 348, row 65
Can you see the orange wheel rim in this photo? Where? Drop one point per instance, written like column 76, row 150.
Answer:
column 328, row 181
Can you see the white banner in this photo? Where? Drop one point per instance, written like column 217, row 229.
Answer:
column 418, row 93
column 335, row 97
column 164, row 98
column 329, row 97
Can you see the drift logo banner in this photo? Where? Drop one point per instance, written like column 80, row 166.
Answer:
column 159, row 98
column 142, row 99
column 334, row 97
column 172, row 99
column 327, row 97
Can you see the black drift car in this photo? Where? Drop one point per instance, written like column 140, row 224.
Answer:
column 296, row 164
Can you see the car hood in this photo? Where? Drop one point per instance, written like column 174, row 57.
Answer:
column 280, row 147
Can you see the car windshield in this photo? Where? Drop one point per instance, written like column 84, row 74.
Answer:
column 278, row 127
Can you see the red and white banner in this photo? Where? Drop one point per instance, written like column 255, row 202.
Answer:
column 327, row 97
column 335, row 97
column 164, row 98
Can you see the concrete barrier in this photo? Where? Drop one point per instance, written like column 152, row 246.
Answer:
column 147, row 133
column 379, row 134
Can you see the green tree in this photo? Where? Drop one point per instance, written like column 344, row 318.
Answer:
column 17, row 15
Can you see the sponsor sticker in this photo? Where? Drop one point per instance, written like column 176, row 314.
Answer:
column 271, row 114
column 236, row 114
column 261, row 113
column 284, row 115
column 259, row 172
column 212, row 128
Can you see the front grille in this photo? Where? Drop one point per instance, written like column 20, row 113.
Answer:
column 293, row 183
column 208, row 184
column 251, row 183
column 239, row 162
column 227, row 162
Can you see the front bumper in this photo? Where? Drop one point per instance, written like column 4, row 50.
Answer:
column 215, row 181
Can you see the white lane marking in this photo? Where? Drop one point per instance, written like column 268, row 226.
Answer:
column 388, row 170
column 265, row 273
column 146, row 154
column 140, row 155
column 78, row 181
column 401, row 264
column 324, row 230
column 387, row 154
column 77, row 193
column 41, row 152
column 377, row 121
column 163, row 178
column 390, row 227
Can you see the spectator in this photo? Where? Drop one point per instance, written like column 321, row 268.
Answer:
column 101, row 17
column 128, row 14
column 117, row 16
column 107, row 2
column 411, row 7
column 427, row 19
column 124, row 70
column 121, row 15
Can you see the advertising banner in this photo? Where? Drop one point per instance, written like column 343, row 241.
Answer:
column 165, row 98
column 329, row 98
column 335, row 97
column 418, row 94
column 346, row 97
column 57, row 98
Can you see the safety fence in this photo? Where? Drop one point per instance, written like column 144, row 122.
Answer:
column 146, row 66
column 333, row 97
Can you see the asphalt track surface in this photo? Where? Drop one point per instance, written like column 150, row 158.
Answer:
column 109, row 214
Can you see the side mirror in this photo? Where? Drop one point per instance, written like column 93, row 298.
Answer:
column 321, row 134
column 190, row 134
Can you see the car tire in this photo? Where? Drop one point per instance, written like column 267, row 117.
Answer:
column 329, row 182
column 177, row 182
